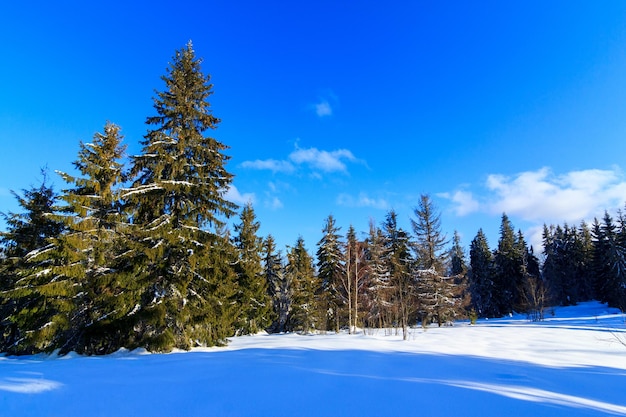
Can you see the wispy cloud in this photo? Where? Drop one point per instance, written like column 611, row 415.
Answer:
column 273, row 203
column 464, row 201
column 323, row 109
column 313, row 158
column 362, row 200
column 542, row 196
column 233, row 195
column 325, row 161
column 270, row 165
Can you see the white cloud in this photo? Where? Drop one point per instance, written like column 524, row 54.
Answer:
column 542, row 196
column 362, row 200
column 315, row 159
column 323, row 160
column 233, row 195
column 274, row 203
column 323, row 109
column 464, row 200
column 269, row 164
column 545, row 197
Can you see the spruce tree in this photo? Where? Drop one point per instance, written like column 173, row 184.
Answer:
column 507, row 274
column 429, row 239
column 279, row 284
column 481, row 276
column 90, row 247
column 400, row 265
column 178, row 207
column 379, row 284
column 609, row 263
column 331, row 273
column 301, row 273
column 33, row 306
column 253, row 291
column 458, row 263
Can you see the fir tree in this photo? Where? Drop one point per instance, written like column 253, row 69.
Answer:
column 400, row 266
column 253, row 291
column 507, row 274
column 429, row 239
column 178, row 207
column 458, row 263
column 302, row 275
column 279, row 284
column 32, row 307
column 609, row 263
column 481, row 274
column 331, row 273
column 379, row 289
column 89, row 249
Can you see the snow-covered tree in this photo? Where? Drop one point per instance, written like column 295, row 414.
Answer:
column 331, row 273
column 178, row 206
column 481, row 271
column 301, row 273
column 33, row 308
column 253, row 293
column 279, row 284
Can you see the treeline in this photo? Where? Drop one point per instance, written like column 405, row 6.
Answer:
column 141, row 256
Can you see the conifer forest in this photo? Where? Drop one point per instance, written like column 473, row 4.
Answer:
column 151, row 254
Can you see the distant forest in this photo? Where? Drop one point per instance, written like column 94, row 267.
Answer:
column 142, row 255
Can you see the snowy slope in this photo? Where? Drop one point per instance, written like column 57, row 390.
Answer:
column 572, row 364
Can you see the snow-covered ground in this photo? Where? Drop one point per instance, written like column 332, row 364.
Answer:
column 571, row 364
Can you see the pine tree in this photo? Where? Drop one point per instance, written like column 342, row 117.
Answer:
column 507, row 274
column 481, row 275
column 279, row 284
column 331, row 273
column 32, row 306
column 429, row 239
column 88, row 250
column 400, row 266
column 609, row 263
column 178, row 207
column 458, row 263
column 302, row 275
column 379, row 291
column 253, row 291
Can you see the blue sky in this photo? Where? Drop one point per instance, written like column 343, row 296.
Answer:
column 343, row 108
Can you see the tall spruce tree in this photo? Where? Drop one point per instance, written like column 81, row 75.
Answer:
column 508, row 278
column 279, row 284
column 481, row 275
column 609, row 262
column 429, row 239
column 379, row 290
column 253, row 292
column 301, row 271
column 331, row 272
column 400, row 265
column 178, row 206
column 88, row 250
column 458, row 262
column 33, row 307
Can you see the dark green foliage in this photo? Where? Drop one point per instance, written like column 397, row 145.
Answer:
column 609, row 263
column 32, row 304
column 331, row 273
column 429, row 239
column 481, row 275
column 397, row 256
column 279, row 284
column 458, row 263
column 508, row 277
column 178, row 194
column 253, row 290
column 301, row 273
